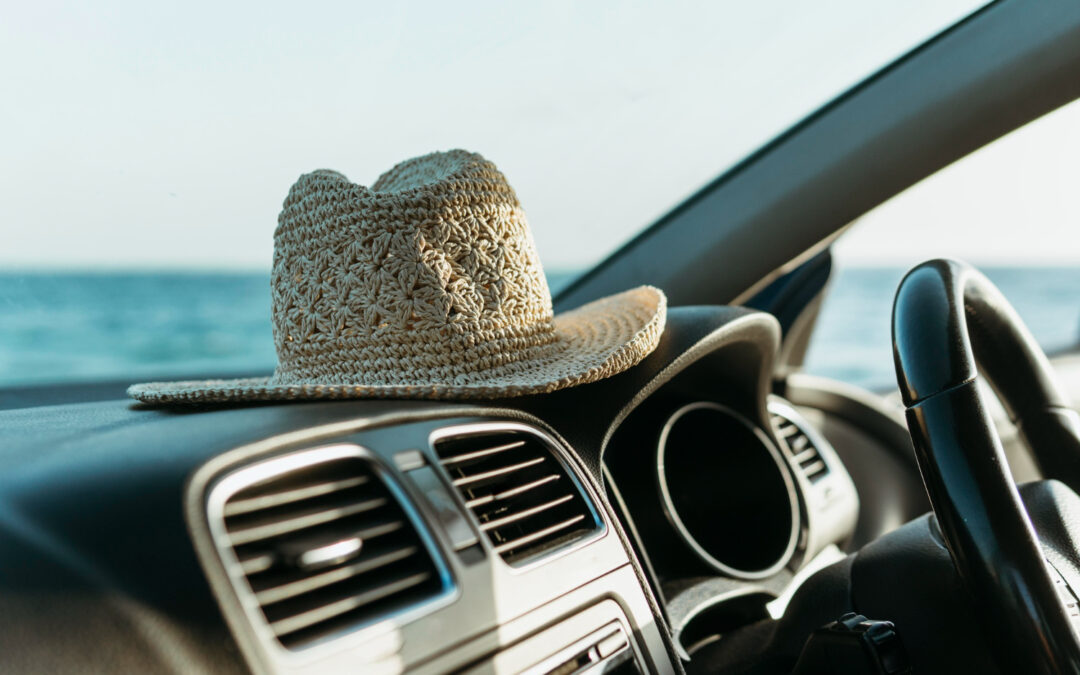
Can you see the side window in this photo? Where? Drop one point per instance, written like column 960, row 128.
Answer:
column 1011, row 208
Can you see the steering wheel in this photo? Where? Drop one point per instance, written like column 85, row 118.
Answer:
column 948, row 317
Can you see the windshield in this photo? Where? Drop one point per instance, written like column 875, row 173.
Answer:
column 1011, row 208
column 148, row 149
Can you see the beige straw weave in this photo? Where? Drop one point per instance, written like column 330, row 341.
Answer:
column 426, row 285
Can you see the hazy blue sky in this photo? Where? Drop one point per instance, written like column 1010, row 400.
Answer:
column 136, row 134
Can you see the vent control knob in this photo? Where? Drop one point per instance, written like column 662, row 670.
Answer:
column 326, row 555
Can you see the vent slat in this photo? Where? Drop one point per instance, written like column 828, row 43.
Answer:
column 315, row 616
column 295, row 588
column 814, row 468
column 480, row 454
column 786, row 429
column 513, row 492
column 519, row 490
column 496, row 473
column 304, row 521
column 799, row 444
column 286, row 534
column 521, row 515
column 242, row 506
column 558, row 527
column 380, row 530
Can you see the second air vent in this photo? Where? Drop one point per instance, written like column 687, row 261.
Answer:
column 799, row 446
column 523, row 497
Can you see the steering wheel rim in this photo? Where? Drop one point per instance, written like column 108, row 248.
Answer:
column 946, row 318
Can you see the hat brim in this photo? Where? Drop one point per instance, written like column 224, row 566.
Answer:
column 595, row 341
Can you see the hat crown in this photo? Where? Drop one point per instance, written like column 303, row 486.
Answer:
column 438, row 250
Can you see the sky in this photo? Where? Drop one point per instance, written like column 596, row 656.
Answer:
column 141, row 135
column 1012, row 202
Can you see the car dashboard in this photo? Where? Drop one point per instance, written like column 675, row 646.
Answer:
column 620, row 526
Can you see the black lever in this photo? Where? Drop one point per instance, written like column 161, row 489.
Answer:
column 854, row 645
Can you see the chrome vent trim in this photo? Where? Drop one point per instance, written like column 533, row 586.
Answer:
column 322, row 543
column 520, row 489
column 798, row 443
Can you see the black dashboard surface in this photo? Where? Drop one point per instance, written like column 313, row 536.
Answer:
column 96, row 561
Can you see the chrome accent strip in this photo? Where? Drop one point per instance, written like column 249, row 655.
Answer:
column 673, row 516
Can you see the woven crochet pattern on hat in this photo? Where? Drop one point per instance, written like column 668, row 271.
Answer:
column 431, row 275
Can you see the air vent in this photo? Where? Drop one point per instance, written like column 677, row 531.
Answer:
column 323, row 545
column 799, row 448
column 522, row 495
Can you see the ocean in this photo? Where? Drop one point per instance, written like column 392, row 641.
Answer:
column 853, row 338
column 57, row 327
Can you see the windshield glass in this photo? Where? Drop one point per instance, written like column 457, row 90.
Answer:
column 148, row 149
column 1011, row 208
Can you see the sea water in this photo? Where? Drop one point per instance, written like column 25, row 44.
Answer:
column 57, row 327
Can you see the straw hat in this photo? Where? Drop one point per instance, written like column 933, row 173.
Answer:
column 426, row 285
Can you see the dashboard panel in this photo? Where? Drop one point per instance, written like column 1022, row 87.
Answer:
column 528, row 534
column 496, row 527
